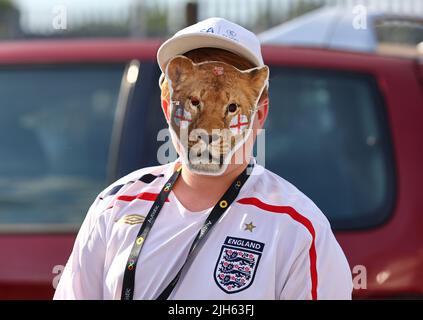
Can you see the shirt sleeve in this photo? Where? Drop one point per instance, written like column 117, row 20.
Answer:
column 82, row 277
column 320, row 271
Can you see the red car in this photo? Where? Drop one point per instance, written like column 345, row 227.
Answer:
column 344, row 127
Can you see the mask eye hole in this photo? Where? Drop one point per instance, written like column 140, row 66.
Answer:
column 233, row 107
column 194, row 101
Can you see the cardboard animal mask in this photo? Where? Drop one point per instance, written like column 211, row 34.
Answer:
column 212, row 109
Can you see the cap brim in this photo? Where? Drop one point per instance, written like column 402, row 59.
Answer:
column 186, row 42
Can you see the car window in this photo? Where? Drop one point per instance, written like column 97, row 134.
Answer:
column 143, row 121
column 327, row 134
column 55, row 129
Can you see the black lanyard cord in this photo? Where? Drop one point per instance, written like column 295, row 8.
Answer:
column 214, row 216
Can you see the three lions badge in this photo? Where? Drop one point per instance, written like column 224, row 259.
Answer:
column 237, row 264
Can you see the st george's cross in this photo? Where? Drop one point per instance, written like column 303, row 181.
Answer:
column 238, row 123
column 182, row 118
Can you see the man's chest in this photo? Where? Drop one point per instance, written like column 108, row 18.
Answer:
column 236, row 259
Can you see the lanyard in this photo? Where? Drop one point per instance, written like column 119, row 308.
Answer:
column 217, row 211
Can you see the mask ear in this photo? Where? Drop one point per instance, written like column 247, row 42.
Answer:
column 257, row 78
column 178, row 69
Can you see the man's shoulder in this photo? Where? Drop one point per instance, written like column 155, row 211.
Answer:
column 147, row 175
column 127, row 187
column 277, row 196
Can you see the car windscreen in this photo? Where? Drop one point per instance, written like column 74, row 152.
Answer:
column 55, row 128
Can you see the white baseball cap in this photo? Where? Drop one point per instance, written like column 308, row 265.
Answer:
column 216, row 33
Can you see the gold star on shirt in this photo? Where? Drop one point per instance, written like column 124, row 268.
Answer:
column 249, row 226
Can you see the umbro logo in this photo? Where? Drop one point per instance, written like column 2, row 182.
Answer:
column 131, row 219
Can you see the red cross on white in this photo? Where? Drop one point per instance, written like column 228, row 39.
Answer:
column 238, row 123
column 182, row 118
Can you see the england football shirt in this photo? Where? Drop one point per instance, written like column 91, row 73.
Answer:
column 271, row 243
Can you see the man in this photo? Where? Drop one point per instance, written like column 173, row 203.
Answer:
column 190, row 230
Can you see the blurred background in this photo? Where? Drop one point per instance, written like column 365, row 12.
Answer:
column 160, row 18
column 80, row 108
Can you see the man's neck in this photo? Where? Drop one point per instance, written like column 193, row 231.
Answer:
column 198, row 192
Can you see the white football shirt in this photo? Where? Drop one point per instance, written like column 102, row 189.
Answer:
column 271, row 243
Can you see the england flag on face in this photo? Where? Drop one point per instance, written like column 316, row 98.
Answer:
column 238, row 123
column 182, row 118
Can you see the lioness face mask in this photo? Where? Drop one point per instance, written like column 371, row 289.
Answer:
column 212, row 108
